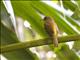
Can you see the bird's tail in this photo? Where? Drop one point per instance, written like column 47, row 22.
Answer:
column 55, row 41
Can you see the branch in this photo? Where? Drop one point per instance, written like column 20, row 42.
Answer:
column 39, row 42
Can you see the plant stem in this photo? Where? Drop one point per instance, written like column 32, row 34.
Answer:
column 35, row 43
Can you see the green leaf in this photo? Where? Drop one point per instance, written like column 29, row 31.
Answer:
column 74, row 7
column 29, row 10
column 24, row 10
column 69, row 5
column 66, row 54
column 49, row 11
column 76, row 45
column 76, row 14
column 9, row 37
column 5, row 17
column 71, row 20
column 78, row 2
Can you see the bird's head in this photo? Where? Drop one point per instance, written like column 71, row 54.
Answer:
column 47, row 18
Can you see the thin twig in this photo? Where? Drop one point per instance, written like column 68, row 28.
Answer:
column 35, row 43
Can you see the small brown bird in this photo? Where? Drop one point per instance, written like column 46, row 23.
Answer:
column 51, row 29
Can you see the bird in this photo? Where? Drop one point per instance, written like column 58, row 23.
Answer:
column 51, row 29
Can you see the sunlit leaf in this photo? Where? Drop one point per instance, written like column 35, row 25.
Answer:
column 30, row 11
column 9, row 37
column 24, row 10
column 69, row 5
column 49, row 11
column 5, row 17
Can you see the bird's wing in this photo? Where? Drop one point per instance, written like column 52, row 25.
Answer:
column 50, row 28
